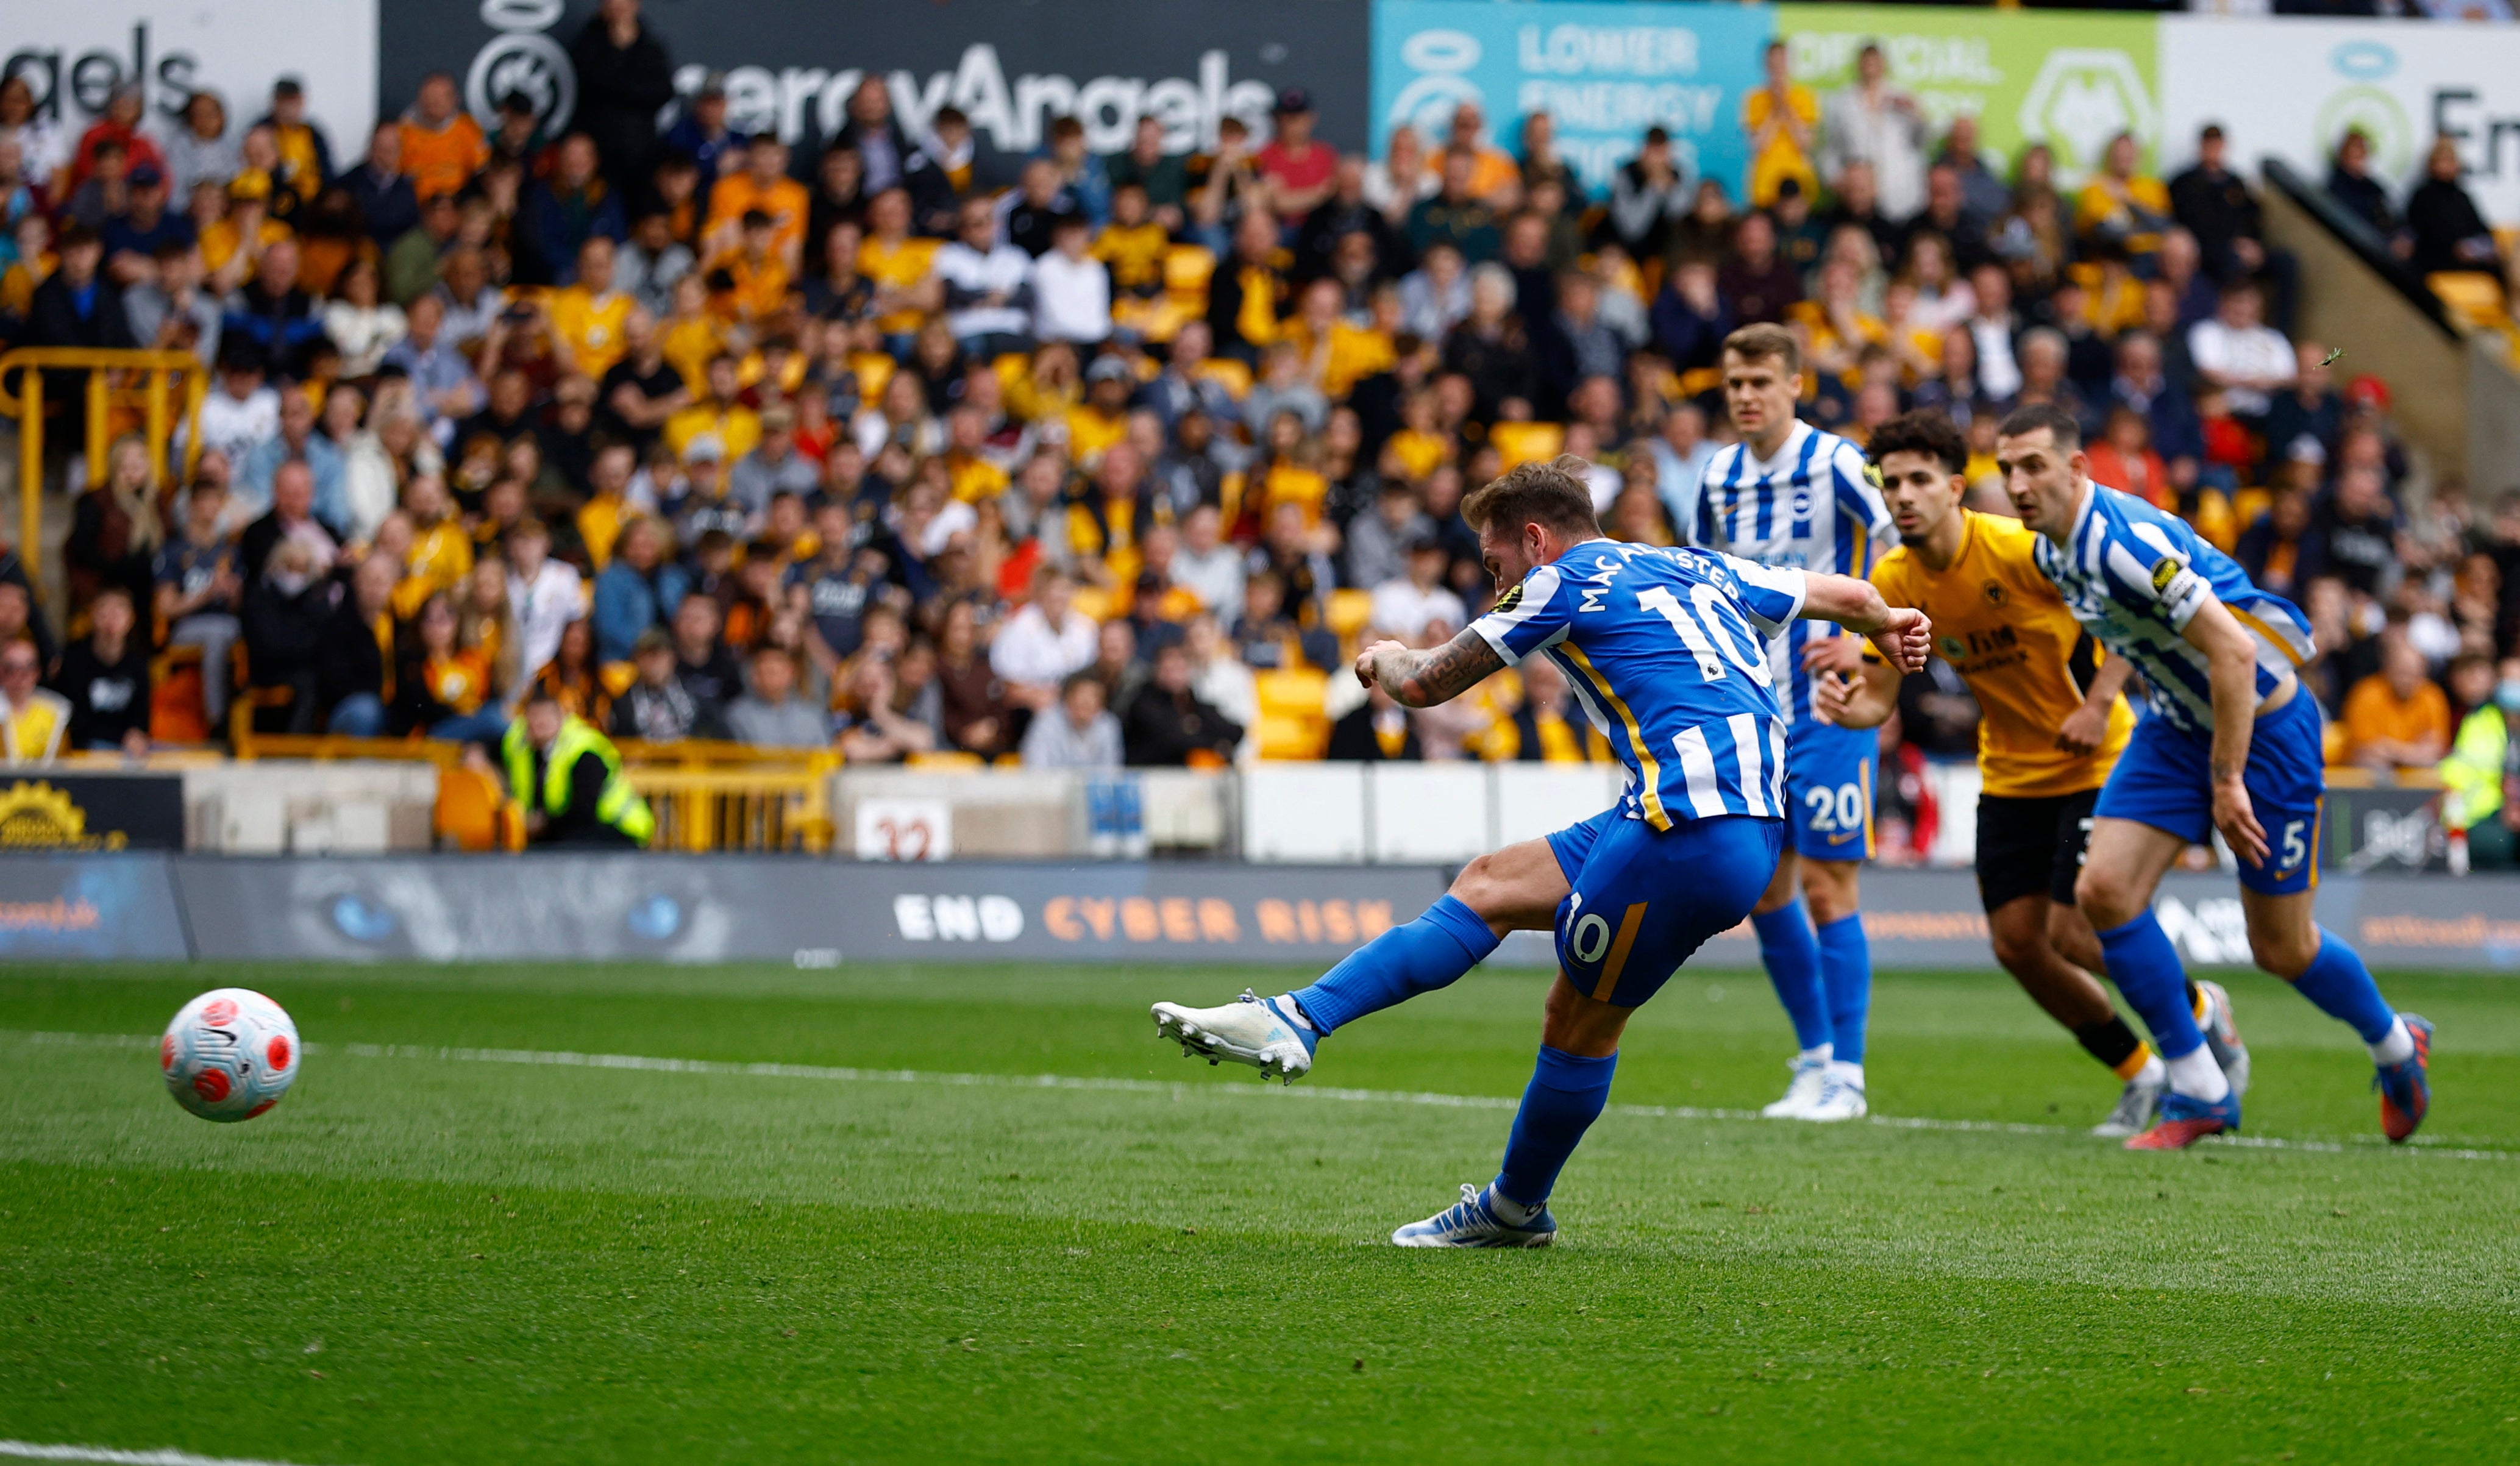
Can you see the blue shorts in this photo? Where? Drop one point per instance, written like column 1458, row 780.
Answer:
column 1829, row 789
column 2165, row 779
column 1645, row 899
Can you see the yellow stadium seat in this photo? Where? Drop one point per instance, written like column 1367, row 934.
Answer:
column 1282, row 739
column 1519, row 443
column 1292, row 691
column 1099, row 605
column 950, row 760
column 874, row 370
column 1231, row 375
column 467, row 809
column 2472, row 295
column 1349, row 611
column 1188, row 268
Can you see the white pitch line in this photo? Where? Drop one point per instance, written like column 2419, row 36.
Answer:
column 29, row 1450
column 653, row 1064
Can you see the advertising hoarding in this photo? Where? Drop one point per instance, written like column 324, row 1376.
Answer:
column 2072, row 81
column 789, row 65
column 2290, row 88
column 73, row 56
column 1603, row 73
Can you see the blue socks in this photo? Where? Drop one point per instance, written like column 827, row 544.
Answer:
column 2145, row 967
column 1429, row 952
column 1793, row 958
column 1566, row 1097
column 2338, row 983
column 1846, row 973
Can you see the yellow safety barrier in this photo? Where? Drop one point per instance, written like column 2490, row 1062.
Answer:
column 155, row 371
column 767, row 807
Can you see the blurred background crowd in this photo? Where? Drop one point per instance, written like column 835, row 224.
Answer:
column 1116, row 463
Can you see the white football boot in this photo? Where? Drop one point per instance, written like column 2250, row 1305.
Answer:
column 1841, row 1096
column 1472, row 1221
column 1261, row 1031
column 1811, row 1076
column 2223, row 1036
column 2139, row 1105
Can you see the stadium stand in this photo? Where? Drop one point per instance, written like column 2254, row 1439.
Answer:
column 573, row 426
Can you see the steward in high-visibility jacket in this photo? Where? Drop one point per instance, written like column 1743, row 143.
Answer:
column 2472, row 781
column 569, row 777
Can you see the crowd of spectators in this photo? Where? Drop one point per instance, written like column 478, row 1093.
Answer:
column 862, row 449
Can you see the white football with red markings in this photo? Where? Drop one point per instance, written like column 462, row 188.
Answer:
column 230, row 1054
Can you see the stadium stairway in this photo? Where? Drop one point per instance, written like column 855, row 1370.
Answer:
column 2447, row 346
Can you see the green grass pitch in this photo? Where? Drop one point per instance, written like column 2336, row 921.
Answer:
column 424, row 1257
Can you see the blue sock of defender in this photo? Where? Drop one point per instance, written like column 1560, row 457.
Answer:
column 1564, row 1097
column 1845, row 974
column 1793, row 957
column 1429, row 952
column 2341, row 987
column 2145, row 967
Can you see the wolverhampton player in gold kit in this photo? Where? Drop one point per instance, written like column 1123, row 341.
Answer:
column 2051, row 727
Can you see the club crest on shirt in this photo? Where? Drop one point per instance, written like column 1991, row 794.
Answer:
column 1994, row 592
column 1802, row 502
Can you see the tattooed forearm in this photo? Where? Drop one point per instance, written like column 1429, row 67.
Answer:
column 1423, row 678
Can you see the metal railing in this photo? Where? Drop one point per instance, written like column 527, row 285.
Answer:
column 156, row 372
column 768, row 807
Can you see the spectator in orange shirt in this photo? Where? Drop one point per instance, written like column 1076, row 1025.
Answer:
column 441, row 145
column 2397, row 718
column 1496, row 179
column 764, row 185
column 755, row 273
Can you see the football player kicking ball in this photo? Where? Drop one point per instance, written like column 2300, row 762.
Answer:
column 1790, row 495
column 1665, row 648
column 2230, row 743
column 2052, row 726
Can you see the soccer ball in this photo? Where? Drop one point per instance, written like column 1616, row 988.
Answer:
column 230, row 1054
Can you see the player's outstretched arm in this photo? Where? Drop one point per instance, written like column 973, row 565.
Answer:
column 1423, row 678
column 1902, row 633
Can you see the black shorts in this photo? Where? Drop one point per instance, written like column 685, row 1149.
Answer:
column 2031, row 845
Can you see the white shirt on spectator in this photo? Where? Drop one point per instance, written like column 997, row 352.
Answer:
column 1215, row 578
column 1999, row 374
column 234, row 426
column 1053, row 742
column 1003, row 271
column 1890, row 138
column 1227, row 685
column 1404, row 610
column 364, row 334
column 1028, row 649
column 2249, row 351
column 954, row 519
column 543, row 610
column 1071, row 298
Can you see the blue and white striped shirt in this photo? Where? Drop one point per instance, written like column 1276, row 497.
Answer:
column 1664, row 651
column 1813, row 507
column 2135, row 577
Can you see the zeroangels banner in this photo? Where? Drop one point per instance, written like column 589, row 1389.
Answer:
column 1011, row 65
